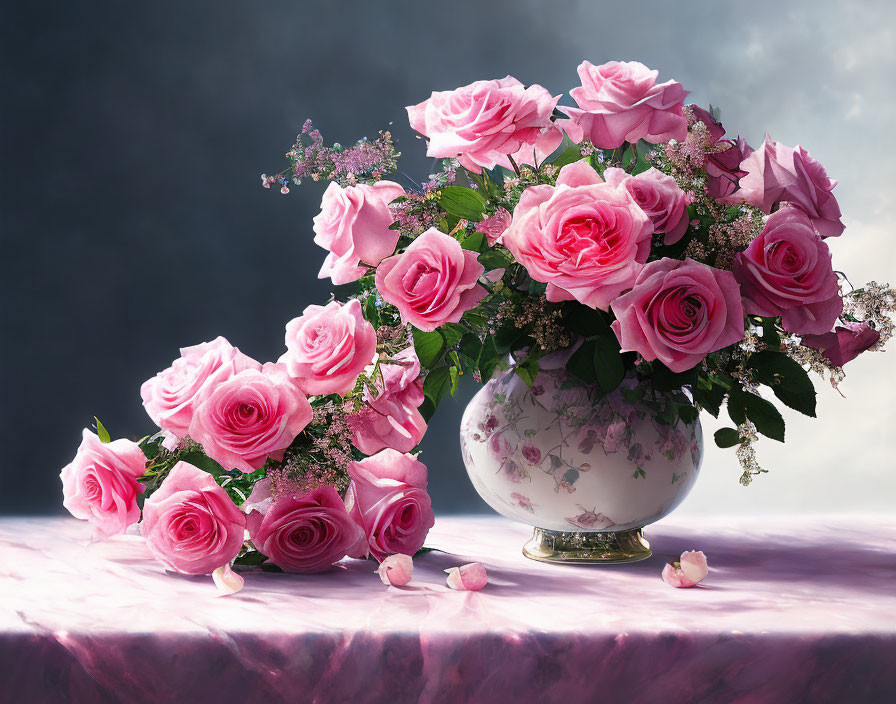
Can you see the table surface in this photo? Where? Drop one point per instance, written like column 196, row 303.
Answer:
column 795, row 609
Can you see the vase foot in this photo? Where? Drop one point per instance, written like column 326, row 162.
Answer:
column 587, row 548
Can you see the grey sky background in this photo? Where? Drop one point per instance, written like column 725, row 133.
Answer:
column 132, row 221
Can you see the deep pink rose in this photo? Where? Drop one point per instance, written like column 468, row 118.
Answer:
column 722, row 166
column 170, row 396
column 845, row 343
column 621, row 101
column 787, row 271
column 390, row 417
column 484, row 122
column 678, row 312
column 305, row 533
column 387, row 497
column 779, row 174
column 100, row 485
column 494, row 225
column 585, row 239
column 328, row 347
column 433, row 282
column 250, row 417
column 659, row 197
column 190, row 523
column 353, row 226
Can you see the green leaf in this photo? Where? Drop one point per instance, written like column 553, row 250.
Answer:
column 571, row 155
column 583, row 320
column 495, row 259
column 198, row 459
column 608, row 367
column 470, row 346
column 581, row 363
column 252, row 558
column 437, row 384
column 453, row 332
column 748, row 406
column 101, row 431
column 709, row 395
column 473, row 242
column 429, row 346
column 527, row 370
column 786, row 378
column 462, row 202
column 664, row 379
column 488, row 359
column 452, row 374
column 727, row 437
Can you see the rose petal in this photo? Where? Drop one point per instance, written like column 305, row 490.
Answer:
column 227, row 581
column 693, row 565
column 396, row 570
column 471, row 577
column 673, row 576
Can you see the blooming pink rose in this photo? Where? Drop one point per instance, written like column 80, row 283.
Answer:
column 328, row 347
column 170, row 396
column 305, row 533
column 787, row 271
column 250, row 417
column 659, row 197
column 190, row 523
column 846, row 343
column 621, row 101
column 353, row 226
column 777, row 174
column 468, row 578
column 387, row 497
column 688, row 572
column 484, row 122
column 678, row 312
column 391, row 417
column 433, row 282
column 396, row 570
column 586, row 241
column 494, row 225
column 722, row 166
column 100, row 485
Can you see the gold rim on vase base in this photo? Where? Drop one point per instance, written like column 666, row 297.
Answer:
column 587, row 548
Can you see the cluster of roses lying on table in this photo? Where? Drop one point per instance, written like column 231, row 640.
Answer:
column 627, row 229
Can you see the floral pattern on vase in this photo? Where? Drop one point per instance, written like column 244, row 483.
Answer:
column 561, row 456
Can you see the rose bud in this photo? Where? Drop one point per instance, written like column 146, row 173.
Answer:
column 396, row 570
column 470, row 578
column 688, row 571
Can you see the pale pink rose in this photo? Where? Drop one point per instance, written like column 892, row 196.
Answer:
column 780, row 174
column 659, row 197
column 586, row 242
column 390, row 415
column 787, row 271
column 468, row 578
column 433, row 282
column 305, row 533
column 484, row 122
column 227, row 581
column 100, row 484
column 396, row 570
column 328, row 347
column 170, row 396
column 690, row 570
column 353, row 226
column 250, row 417
column 190, row 523
column 620, row 101
column 494, row 225
column 387, row 498
column 678, row 312
column 578, row 173
column 722, row 166
column 845, row 343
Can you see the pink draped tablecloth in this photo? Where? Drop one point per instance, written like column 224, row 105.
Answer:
column 793, row 610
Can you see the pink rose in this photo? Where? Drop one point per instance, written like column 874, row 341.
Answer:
column 688, row 572
column 387, row 497
column 391, row 417
column 723, row 172
column 846, row 343
column 328, row 347
column 396, row 570
column 678, row 312
column 585, row 239
column 100, row 485
column 190, row 523
column 494, row 225
column 659, row 197
column 353, row 226
column 250, row 417
column 170, row 396
column 433, row 282
column 305, row 533
column 621, row 101
column 468, row 578
column 787, row 271
column 484, row 122
column 777, row 174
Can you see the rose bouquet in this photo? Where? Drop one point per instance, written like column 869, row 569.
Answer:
column 627, row 235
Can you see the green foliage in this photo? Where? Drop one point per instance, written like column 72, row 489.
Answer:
column 743, row 405
column 727, row 437
column 462, row 202
column 786, row 378
column 101, row 431
column 569, row 156
column 430, row 347
column 527, row 370
column 437, row 384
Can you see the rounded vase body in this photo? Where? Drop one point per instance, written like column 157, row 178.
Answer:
column 566, row 459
